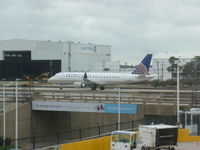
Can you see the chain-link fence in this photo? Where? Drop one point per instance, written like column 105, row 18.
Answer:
column 86, row 133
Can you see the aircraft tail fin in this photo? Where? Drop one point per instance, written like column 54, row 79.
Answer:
column 143, row 67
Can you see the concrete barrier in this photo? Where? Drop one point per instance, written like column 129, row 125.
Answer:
column 102, row 143
column 184, row 136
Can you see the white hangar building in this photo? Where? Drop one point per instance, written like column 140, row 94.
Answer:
column 31, row 57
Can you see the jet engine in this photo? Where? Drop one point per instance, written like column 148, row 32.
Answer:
column 79, row 84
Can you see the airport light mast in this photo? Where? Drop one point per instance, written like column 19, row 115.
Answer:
column 178, row 90
column 119, row 99
column 16, row 114
column 4, row 115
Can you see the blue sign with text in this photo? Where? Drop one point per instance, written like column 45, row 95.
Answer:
column 124, row 108
column 89, row 49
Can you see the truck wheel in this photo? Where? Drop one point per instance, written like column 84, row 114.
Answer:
column 172, row 148
column 143, row 148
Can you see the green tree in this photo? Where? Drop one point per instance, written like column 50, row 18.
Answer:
column 196, row 66
column 192, row 68
column 173, row 66
column 188, row 69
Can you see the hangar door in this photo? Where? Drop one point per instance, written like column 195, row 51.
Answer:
column 16, row 64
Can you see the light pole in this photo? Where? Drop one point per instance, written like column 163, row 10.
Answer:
column 16, row 115
column 162, row 71
column 158, row 70
column 195, row 68
column 178, row 91
column 4, row 115
column 119, row 99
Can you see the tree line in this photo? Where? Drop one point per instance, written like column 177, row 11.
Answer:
column 190, row 70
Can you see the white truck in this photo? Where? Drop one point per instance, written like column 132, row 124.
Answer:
column 124, row 140
column 158, row 137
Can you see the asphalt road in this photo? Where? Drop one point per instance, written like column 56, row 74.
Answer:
column 188, row 146
column 182, row 146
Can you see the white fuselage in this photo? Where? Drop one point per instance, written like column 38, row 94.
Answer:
column 98, row 78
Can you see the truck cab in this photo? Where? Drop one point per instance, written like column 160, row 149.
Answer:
column 123, row 140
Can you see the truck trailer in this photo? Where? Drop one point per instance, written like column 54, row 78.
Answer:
column 158, row 137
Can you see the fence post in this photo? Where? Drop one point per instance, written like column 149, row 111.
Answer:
column 132, row 125
column 80, row 133
column 183, row 119
column 198, row 124
column 58, row 138
column 33, row 142
column 99, row 130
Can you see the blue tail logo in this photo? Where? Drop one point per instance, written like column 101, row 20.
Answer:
column 143, row 67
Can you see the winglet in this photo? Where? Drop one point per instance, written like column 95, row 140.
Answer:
column 143, row 67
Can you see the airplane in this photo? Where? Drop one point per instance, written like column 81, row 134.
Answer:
column 97, row 79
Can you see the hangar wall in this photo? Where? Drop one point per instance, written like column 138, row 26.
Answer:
column 33, row 57
column 24, row 114
column 43, row 122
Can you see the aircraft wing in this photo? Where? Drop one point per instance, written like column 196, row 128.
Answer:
column 88, row 82
column 148, row 77
column 141, row 77
column 152, row 77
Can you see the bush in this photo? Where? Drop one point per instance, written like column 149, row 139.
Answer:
column 159, row 83
column 8, row 141
column 171, row 82
column 1, row 141
column 155, row 83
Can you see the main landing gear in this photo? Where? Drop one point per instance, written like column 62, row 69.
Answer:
column 102, row 88
column 93, row 88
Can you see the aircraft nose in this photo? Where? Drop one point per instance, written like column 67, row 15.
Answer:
column 51, row 80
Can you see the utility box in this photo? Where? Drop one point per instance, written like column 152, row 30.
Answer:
column 158, row 136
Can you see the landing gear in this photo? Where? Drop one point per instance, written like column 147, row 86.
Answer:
column 82, row 85
column 102, row 88
column 143, row 148
column 61, row 87
column 93, row 88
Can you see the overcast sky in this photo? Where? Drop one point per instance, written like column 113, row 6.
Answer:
column 132, row 27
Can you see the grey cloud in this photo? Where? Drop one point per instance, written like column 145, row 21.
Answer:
column 132, row 27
